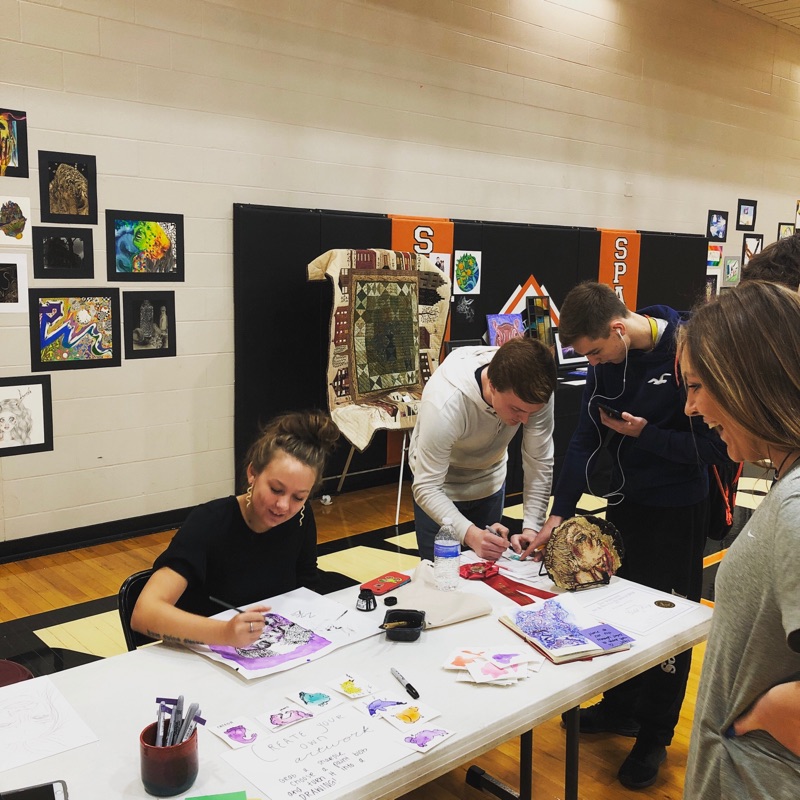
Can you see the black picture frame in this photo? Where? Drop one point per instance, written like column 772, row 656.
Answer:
column 752, row 244
column 73, row 179
column 566, row 357
column 717, row 226
column 26, row 415
column 63, row 253
column 454, row 344
column 786, row 230
column 746, row 215
column 74, row 328
column 144, row 246
column 149, row 332
column 16, row 123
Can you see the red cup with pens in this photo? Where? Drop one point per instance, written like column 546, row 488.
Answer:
column 168, row 748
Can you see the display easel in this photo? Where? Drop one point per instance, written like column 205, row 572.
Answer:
column 403, row 451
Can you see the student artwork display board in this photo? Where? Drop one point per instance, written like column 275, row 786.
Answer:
column 281, row 320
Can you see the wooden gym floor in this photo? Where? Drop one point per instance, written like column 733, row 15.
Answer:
column 59, row 611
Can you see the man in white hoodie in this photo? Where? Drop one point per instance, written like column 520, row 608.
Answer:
column 471, row 408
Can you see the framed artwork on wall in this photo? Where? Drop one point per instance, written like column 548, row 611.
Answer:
column 13, row 143
column 68, row 188
column 731, row 270
column 15, row 221
column 13, row 283
column 144, row 246
column 785, row 230
column 456, row 343
column 63, row 253
column 713, row 282
column 751, row 245
column 26, row 415
column 717, row 226
column 74, row 328
column 149, row 324
column 504, row 327
column 746, row 215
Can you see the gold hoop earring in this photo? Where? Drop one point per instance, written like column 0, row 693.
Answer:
column 248, row 501
column 302, row 514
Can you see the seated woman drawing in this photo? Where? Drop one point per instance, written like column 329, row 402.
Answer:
column 241, row 549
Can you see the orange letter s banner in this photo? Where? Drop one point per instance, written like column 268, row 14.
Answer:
column 619, row 264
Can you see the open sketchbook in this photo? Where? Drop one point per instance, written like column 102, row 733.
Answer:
column 300, row 626
column 563, row 632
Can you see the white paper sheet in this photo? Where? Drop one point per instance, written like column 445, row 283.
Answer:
column 319, row 756
column 302, row 626
column 36, row 721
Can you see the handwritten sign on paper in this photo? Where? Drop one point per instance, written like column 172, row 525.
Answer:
column 319, row 756
column 606, row 636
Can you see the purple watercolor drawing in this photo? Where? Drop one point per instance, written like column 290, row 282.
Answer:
column 424, row 737
column 281, row 641
column 281, row 718
column 239, row 734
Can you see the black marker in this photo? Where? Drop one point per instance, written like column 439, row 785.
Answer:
column 406, row 685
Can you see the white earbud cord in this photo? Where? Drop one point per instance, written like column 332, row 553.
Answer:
column 614, row 493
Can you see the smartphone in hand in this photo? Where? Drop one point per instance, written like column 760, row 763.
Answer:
column 612, row 412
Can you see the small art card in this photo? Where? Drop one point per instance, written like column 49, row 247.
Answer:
column 731, row 273
column 351, row 685
column 426, row 737
column 410, row 716
column 488, row 672
column 279, row 718
column 315, row 699
column 377, row 704
column 461, row 658
column 714, row 258
column 237, row 732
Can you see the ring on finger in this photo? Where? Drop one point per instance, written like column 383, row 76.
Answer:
column 251, row 627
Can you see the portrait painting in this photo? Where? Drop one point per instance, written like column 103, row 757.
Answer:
column 149, row 324
column 13, row 283
column 785, row 230
column 746, row 215
column 504, row 327
column 15, row 221
column 717, row 226
column 751, row 245
column 26, row 415
column 62, row 253
column 144, row 246
column 13, row 143
column 68, row 188
column 74, row 328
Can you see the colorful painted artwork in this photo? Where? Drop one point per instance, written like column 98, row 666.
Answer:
column 73, row 329
column 15, row 221
column 467, row 272
column 731, row 274
column 504, row 327
column 717, row 225
column 13, row 143
column 786, row 229
column 714, row 258
column 144, row 246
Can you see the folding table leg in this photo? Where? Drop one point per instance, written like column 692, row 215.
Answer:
column 572, row 724
column 400, row 482
column 346, row 467
column 479, row 779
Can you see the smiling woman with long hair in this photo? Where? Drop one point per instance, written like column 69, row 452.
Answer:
column 243, row 548
column 740, row 357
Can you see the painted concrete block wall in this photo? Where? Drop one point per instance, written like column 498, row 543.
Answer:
column 612, row 113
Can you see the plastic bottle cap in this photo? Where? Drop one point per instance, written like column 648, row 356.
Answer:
column 390, row 601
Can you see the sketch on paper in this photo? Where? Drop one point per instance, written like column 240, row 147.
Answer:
column 300, row 627
column 26, row 415
column 36, row 721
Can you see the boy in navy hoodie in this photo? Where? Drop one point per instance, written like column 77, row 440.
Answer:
column 658, row 498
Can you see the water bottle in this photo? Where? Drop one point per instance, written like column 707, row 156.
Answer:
column 446, row 557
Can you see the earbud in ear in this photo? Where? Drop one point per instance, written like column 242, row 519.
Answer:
column 618, row 333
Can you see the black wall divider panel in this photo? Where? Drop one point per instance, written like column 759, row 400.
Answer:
column 281, row 320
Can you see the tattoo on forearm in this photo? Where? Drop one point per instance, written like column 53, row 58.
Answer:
column 173, row 639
